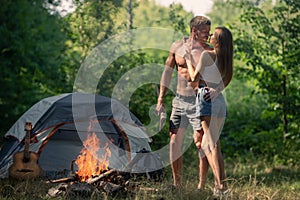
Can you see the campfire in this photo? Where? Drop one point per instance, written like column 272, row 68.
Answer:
column 92, row 170
column 88, row 162
column 92, row 174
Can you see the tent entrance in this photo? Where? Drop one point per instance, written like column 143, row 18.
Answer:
column 61, row 146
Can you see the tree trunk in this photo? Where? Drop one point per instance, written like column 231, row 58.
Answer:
column 129, row 7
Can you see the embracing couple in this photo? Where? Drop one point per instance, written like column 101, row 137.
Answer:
column 203, row 73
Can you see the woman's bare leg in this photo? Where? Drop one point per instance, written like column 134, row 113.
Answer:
column 211, row 129
column 220, row 122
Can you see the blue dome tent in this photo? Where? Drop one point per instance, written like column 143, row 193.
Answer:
column 61, row 123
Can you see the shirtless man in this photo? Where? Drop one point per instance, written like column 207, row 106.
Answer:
column 184, row 104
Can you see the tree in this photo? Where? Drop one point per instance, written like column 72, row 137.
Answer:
column 224, row 12
column 91, row 23
column 268, row 42
column 30, row 54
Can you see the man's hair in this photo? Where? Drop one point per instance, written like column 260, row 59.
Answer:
column 199, row 21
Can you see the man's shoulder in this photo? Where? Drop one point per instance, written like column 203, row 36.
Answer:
column 177, row 45
column 181, row 42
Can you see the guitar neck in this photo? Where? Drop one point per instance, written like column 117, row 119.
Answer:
column 28, row 128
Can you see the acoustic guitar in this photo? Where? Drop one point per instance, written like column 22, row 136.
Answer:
column 25, row 164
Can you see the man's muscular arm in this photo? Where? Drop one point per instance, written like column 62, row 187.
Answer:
column 166, row 79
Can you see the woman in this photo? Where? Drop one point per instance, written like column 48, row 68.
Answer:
column 214, row 72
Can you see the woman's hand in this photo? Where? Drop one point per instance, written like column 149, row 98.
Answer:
column 211, row 94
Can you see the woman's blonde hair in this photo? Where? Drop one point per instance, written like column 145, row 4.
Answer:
column 224, row 51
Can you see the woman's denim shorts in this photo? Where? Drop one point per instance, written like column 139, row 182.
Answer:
column 216, row 108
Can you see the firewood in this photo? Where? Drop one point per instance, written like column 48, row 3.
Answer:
column 110, row 188
column 93, row 180
column 63, row 180
column 82, row 189
column 58, row 190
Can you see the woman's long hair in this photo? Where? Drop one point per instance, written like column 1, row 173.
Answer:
column 224, row 51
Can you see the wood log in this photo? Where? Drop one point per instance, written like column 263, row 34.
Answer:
column 63, row 180
column 99, row 177
column 110, row 188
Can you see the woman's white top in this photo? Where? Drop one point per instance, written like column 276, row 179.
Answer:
column 211, row 73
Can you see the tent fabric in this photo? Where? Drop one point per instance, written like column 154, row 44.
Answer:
column 32, row 115
column 61, row 124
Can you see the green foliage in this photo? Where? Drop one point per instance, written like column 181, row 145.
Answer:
column 268, row 44
column 178, row 21
column 224, row 12
column 249, row 128
column 148, row 14
column 263, row 98
column 91, row 23
column 30, row 51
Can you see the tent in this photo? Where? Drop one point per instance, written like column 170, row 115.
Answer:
column 60, row 125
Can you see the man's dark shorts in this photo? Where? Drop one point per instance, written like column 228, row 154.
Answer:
column 184, row 113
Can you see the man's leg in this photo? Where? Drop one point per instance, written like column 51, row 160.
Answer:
column 198, row 138
column 175, row 155
column 203, row 170
column 203, row 162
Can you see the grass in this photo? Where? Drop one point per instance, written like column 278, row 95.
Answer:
column 253, row 180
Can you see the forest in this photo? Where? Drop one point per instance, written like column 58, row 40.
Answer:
column 46, row 52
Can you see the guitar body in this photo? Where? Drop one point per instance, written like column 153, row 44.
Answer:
column 25, row 164
column 22, row 169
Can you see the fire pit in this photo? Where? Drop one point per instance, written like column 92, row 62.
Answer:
column 91, row 173
column 109, row 182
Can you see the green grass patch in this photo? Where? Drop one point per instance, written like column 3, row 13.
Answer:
column 251, row 180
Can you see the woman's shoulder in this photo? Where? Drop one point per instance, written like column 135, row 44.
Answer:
column 208, row 57
column 209, row 53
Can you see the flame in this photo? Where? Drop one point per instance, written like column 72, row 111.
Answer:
column 88, row 163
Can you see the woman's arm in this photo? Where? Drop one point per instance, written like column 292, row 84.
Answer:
column 195, row 72
column 191, row 69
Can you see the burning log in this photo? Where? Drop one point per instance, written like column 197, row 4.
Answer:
column 89, row 181
column 101, row 176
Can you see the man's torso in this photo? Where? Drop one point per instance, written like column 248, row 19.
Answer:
column 185, row 86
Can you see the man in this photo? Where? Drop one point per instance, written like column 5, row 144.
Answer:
column 184, row 105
